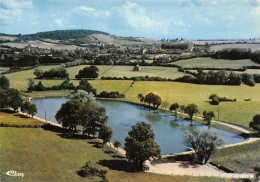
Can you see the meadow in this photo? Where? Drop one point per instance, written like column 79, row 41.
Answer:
column 253, row 47
column 44, row 155
column 240, row 112
column 206, row 62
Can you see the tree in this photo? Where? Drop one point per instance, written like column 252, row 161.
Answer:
column 69, row 114
column 140, row 144
column 4, row 83
column 156, row 101
column 83, row 96
column 141, row 98
column 94, row 118
column 105, row 133
column 117, row 144
column 255, row 124
column 191, row 109
column 4, row 99
column 208, row 115
column 204, row 143
column 165, row 104
column 148, row 98
column 40, row 86
column 85, row 85
column 32, row 109
column 31, row 85
column 25, row 107
column 174, row 107
column 88, row 72
column 182, row 107
column 14, row 98
column 38, row 73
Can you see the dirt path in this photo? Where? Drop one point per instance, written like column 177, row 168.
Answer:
column 41, row 119
column 185, row 168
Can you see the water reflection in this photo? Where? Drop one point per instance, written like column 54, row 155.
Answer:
column 168, row 132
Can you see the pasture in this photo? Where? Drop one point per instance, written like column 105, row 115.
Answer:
column 240, row 112
column 253, row 47
column 206, row 62
column 127, row 71
column 43, row 155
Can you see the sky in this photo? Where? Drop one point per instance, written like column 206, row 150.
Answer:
column 157, row 19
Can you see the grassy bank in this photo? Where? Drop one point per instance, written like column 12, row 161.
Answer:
column 242, row 158
column 43, row 155
column 13, row 118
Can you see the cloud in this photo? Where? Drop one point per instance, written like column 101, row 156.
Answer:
column 61, row 22
column 12, row 4
column 85, row 8
column 135, row 16
column 88, row 11
column 229, row 17
column 11, row 11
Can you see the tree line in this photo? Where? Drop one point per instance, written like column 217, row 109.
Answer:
column 221, row 77
column 237, row 53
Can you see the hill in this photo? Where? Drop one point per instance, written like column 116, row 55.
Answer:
column 62, row 34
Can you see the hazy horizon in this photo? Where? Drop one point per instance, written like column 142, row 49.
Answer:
column 188, row 19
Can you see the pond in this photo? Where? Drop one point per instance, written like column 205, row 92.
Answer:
column 168, row 131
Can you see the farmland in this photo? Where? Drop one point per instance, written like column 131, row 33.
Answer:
column 253, row 47
column 214, row 63
column 240, row 112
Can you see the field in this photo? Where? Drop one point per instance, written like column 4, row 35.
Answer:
column 32, row 152
column 11, row 118
column 44, row 155
column 127, row 71
column 253, row 47
column 214, row 63
column 238, row 158
column 240, row 112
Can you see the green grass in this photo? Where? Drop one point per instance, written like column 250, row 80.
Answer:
column 242, row 158
column 239, row 112
column 214, row 63
column 44, row 156
column 50, row 93
column 115, row 176
column 12, row 118
column 121, row 71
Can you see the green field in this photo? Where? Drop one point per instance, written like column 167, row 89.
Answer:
column 214, row 63
column 43, row 155
column 12, row 118
column 240, row 112
column 242, row 158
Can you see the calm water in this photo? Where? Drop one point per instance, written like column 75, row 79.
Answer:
column 168, row 131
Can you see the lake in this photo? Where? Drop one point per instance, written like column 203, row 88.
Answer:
column 168, row 131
